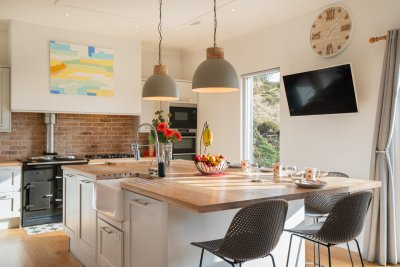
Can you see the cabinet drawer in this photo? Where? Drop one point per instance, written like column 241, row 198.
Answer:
column 10, row 179
column 10, row 205
column 110, row 241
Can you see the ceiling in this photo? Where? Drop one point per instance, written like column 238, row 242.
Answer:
column 187, row 24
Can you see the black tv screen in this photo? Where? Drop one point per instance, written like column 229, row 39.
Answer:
column 323, row 91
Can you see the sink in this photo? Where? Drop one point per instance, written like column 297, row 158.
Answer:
column 109, row 198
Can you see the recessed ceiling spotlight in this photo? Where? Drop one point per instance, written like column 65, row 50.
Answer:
column 197, row 22
column 136, row 26
column 233, row 10
column 67, row 14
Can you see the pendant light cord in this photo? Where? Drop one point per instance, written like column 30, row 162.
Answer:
column 160, row 33
column 215, row 23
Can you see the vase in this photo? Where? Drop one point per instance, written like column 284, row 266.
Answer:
column 166, row 154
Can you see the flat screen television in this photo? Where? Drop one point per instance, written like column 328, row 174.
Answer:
column 323, row 91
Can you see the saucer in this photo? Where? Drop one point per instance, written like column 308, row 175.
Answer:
column 311, row 184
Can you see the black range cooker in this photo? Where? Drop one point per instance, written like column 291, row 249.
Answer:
column 42, row 181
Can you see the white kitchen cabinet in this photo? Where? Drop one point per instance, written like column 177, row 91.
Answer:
column 80, row 218
column 144, row 231
column 110, row 245
column 10, row 192
column 10, row 205
column 186, row 95
column 71, row 205
column 5, row 112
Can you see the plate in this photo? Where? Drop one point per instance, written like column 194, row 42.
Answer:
column 234, row 165
column 266, row 169
column 311, row 185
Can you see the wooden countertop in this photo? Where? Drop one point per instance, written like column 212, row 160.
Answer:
column 8, row 163
column 184, row 187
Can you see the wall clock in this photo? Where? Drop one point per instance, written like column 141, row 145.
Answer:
column 331, row 31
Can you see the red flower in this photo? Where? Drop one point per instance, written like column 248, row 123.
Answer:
column 168, row 132
column 162, row 126
column 178, row 135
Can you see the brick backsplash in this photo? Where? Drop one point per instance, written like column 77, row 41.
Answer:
column 75, row 134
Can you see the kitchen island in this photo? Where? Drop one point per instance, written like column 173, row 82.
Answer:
column 162, row 216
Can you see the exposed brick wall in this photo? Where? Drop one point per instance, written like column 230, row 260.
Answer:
column 75, row 134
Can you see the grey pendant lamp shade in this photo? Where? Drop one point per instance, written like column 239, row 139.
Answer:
column 215, row 74
column 160, row 86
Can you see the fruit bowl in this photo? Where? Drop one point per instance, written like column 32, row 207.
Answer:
column 210, row 164
column 205, row 169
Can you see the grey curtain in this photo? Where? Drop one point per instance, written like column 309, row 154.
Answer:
column 380, row 231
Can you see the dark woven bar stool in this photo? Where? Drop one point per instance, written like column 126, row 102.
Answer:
column 343, row 224
column 254, row 232
column 318, row 206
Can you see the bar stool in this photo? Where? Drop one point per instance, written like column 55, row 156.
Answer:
column 253, row 233
column 343, row 224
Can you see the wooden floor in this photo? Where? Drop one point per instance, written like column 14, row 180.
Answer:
column 17, row 249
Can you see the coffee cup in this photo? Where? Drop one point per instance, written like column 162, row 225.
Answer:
column 277, row 169
column 244, row 164
column 311, row 174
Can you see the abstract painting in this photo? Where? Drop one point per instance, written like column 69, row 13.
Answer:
column 81, row 70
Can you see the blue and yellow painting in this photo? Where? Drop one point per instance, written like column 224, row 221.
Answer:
column 81, row 70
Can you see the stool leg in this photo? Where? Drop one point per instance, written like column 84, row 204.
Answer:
column 351, row 258
column 273, row 261
column 359, row 253
column 288, row 255
column 201, row 258
column 319, row 256
column 329, row 256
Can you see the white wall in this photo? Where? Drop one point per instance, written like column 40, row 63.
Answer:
column 30, row 72
column 172, row 58
column 330, row 142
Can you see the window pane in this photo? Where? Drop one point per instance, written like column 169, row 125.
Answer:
column 263, row 115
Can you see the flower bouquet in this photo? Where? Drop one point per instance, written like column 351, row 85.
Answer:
column 166, row 136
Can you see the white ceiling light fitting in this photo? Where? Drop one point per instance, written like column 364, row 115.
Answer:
column 160, row 86
column 215, row 74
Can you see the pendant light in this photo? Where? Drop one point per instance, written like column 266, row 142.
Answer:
column 215, row 74
column 160, row 86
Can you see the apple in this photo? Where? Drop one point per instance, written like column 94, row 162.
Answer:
column 197, row 158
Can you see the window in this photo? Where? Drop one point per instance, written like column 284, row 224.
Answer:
column 261, row 131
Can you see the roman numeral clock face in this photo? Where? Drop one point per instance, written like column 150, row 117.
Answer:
column 331, row 31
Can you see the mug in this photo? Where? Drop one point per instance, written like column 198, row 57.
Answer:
column 244, row 164
column 277, row 169
column 311, row 174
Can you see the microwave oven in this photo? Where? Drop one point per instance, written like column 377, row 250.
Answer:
column 183, row 116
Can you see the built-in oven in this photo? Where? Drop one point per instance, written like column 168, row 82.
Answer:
column 183, row 116
column 185, row 149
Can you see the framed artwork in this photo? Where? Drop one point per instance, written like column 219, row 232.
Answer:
column 81, row 70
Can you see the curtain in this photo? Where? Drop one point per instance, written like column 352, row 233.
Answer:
column 380, row 232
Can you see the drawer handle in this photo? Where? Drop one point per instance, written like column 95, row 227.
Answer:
column 140, row 202
column 5, row 197
column 59, row 177
column 105, row 229
column 48, row 195
column 69, row 175
column 87, row 181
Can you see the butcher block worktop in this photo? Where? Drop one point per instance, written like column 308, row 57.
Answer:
column 185, row 187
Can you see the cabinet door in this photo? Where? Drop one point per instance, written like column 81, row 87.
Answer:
column 185, row 92
column 5, row 113
column 10, row 205
column 147, row 242
column 71, row 205
column 149, row 107
column 87, row 217
column 10, row 179
column 110, row 241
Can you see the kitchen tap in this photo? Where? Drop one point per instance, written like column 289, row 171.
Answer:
column 136, row 146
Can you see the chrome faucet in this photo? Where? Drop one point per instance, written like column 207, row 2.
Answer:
column 135, row 147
